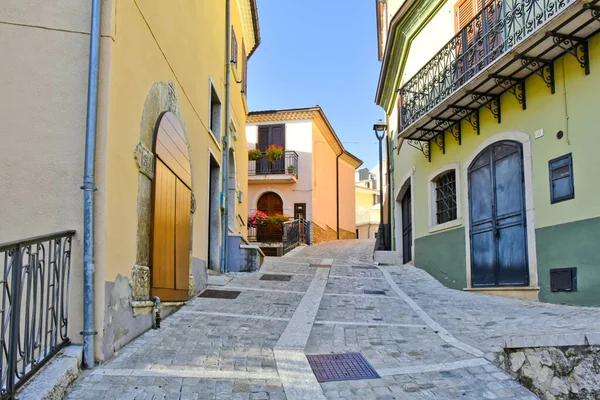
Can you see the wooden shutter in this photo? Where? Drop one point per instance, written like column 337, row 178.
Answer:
column 464, row 11
column 263, row 138
column 234, row 47
column 244, row 70
column 277, row 135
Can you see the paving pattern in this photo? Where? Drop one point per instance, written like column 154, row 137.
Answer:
column 425, row 341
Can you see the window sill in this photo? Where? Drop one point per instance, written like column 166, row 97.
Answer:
column 214, row 138
column 445, row 225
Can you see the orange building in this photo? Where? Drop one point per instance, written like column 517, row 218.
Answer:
column 312, row 181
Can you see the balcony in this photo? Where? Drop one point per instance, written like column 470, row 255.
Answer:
column 504, row 44
column 280, row 171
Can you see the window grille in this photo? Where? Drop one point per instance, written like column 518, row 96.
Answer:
column 445, row 197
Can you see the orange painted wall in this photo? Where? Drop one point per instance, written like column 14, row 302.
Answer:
column 347, row 197
column 324, row 193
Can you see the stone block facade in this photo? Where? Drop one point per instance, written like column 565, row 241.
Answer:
column 327, row 234
column 320, row 235
column 344, row 234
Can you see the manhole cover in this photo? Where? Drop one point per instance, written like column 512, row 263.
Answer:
column 273, row 277
column 220, row 294
column 320, row 265
column 364, row 267
column 341, row 367
column 379, row 292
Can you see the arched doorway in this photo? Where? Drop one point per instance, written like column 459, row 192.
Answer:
column 171, row 211
column 271, row 204
column 497, row 219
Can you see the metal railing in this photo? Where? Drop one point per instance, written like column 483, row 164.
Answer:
column 496, row 29
column 287, row 164
column 35, row 305
column 291, row 235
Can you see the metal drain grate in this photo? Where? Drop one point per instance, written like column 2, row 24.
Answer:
column 320, row 265
column 379, row 292
column 364, row 267
column 220, row 294
column 341, row 367
column 274, row 277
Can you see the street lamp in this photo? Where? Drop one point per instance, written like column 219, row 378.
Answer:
column 380, row 128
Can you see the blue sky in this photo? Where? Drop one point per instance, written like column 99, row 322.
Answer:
column 320, row 52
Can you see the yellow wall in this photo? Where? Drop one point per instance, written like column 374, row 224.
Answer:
column 364, row 198
column 154, row 43
column 183, row 44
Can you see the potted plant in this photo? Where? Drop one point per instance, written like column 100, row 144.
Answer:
column 274, row 152
column 290, row 169
column 254, row 154
column 257, row 218
column 277, row 219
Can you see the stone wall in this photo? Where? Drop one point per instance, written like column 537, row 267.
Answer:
column 320, row 235
column 344, row 234
column 568, row 370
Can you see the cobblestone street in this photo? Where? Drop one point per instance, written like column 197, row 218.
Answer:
column 424, row 340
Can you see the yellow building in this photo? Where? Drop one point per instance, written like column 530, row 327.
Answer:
column 367, row 204
column 162, row 130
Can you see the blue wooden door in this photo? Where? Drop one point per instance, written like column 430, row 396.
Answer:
column 406, row 227
column 497, row 217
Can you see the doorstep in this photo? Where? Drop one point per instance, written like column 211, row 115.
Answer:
column 519, row 292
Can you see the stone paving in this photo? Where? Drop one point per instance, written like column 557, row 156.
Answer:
column 424, row 340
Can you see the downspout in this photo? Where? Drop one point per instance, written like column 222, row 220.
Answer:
column 225, row 158
column 389, row 190
column 89, row 188
column 337, row 191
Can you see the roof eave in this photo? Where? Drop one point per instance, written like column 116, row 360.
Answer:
column 256, row 27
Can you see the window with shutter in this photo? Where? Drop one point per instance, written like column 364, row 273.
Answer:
column 464, row 11
column 234, row 48
column 244, row 70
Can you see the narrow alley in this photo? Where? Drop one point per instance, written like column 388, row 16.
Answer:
column 423, row 340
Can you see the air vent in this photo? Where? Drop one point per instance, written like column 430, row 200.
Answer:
column 563, row 279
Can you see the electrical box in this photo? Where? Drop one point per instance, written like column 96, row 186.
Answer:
column 539, row 133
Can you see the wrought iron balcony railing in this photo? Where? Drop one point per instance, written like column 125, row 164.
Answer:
column 35, row 305
column 287, row 164
column 495, row 30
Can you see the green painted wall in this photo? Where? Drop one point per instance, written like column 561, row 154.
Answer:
column 443, row 256
column 573, row 244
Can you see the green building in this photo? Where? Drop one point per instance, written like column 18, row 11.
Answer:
column 492, row 112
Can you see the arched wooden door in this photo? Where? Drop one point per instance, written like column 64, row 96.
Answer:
column 497, row 217
column 271, row 204
column 171, row 224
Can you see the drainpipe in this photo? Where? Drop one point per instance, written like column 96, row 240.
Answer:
column 225, row 169
column 337, row 191
column 389, row 192
column 89, row 189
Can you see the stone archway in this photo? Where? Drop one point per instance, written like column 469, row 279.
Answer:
column 161, row 98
